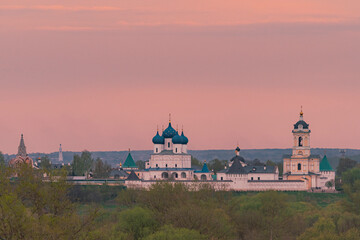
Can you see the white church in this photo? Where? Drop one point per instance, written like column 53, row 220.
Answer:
column 171, row 162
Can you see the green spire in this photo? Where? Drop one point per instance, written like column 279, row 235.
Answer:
column 325, row 165
column 129, row 162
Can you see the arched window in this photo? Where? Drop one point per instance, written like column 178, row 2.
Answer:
column 300, row 141
column 299, row 166
column 183, row 175
column 203, row 177
column 174, row 175
column 165, row 165
column 156, row 149
column 168, row 144
column 175, row 149
column 165, row 175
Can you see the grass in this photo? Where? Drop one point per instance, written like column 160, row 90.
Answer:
column 320, row 199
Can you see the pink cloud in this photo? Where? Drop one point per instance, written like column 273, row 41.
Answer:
column 61, row 8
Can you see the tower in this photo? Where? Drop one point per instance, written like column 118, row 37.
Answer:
column 61, row 159
column 301, row 133
column 301, row 164
column 22, row 148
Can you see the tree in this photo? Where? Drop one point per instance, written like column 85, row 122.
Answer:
column 351, row 185
column 81, row 165
column 168, row 232
column 217, row 165
column 344, row 165
column 329, row 184
column 101, row 169
column 33, row 209
column 195, row 162
column 45, row 163
column 137, row 222
column 2, row 159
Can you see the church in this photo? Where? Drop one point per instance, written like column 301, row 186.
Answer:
column 171, row 162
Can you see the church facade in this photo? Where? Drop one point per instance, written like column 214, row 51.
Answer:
column 171, row 162
column 302, row 165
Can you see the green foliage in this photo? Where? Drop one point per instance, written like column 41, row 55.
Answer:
column 101, row 169
column 168, row 232
column 81, row 165
column 31, row 208
column 137, row 222
column 195, row 162
column 2, row 159
column 323, row 229
column 344, row 165
column 217, row 165
column 351, row 185
column 45, row 163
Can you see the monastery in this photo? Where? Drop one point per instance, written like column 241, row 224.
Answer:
column 171, row 162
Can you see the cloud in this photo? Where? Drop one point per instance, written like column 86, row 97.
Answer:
column 61, row 8
column 64, row 28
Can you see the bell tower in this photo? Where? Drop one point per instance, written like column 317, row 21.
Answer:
column 301, row 134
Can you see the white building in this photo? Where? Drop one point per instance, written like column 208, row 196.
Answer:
column 171, row 162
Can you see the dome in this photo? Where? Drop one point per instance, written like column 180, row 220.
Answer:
column 185, row 140
column 169, row 132
column 177, row 139
column 303, row 123
column 239, row 158
column 158, row 139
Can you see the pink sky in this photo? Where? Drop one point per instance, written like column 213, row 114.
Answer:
column 100, row 75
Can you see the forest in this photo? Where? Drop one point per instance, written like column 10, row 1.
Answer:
column 34, row 208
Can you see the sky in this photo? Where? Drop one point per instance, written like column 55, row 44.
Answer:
column 102, row 75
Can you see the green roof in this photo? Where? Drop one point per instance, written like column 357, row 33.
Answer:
column 325, row 165
column 129, row 162
column 205, row 168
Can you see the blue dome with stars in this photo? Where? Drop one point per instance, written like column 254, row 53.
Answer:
column 169, row 132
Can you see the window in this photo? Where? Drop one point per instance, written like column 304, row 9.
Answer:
column 156, row 149
column 157, row 165
column 176, row 150
column 174, row 175
column 258, row 178
column 154, row 176
column 300, row 141
column 299, row 166
column 203, row 177
column 175, row 165
column 221, row 178
column 252, row 178
column 183, row 175
column 165, row 165
column 165, row 175
column 168, row 144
